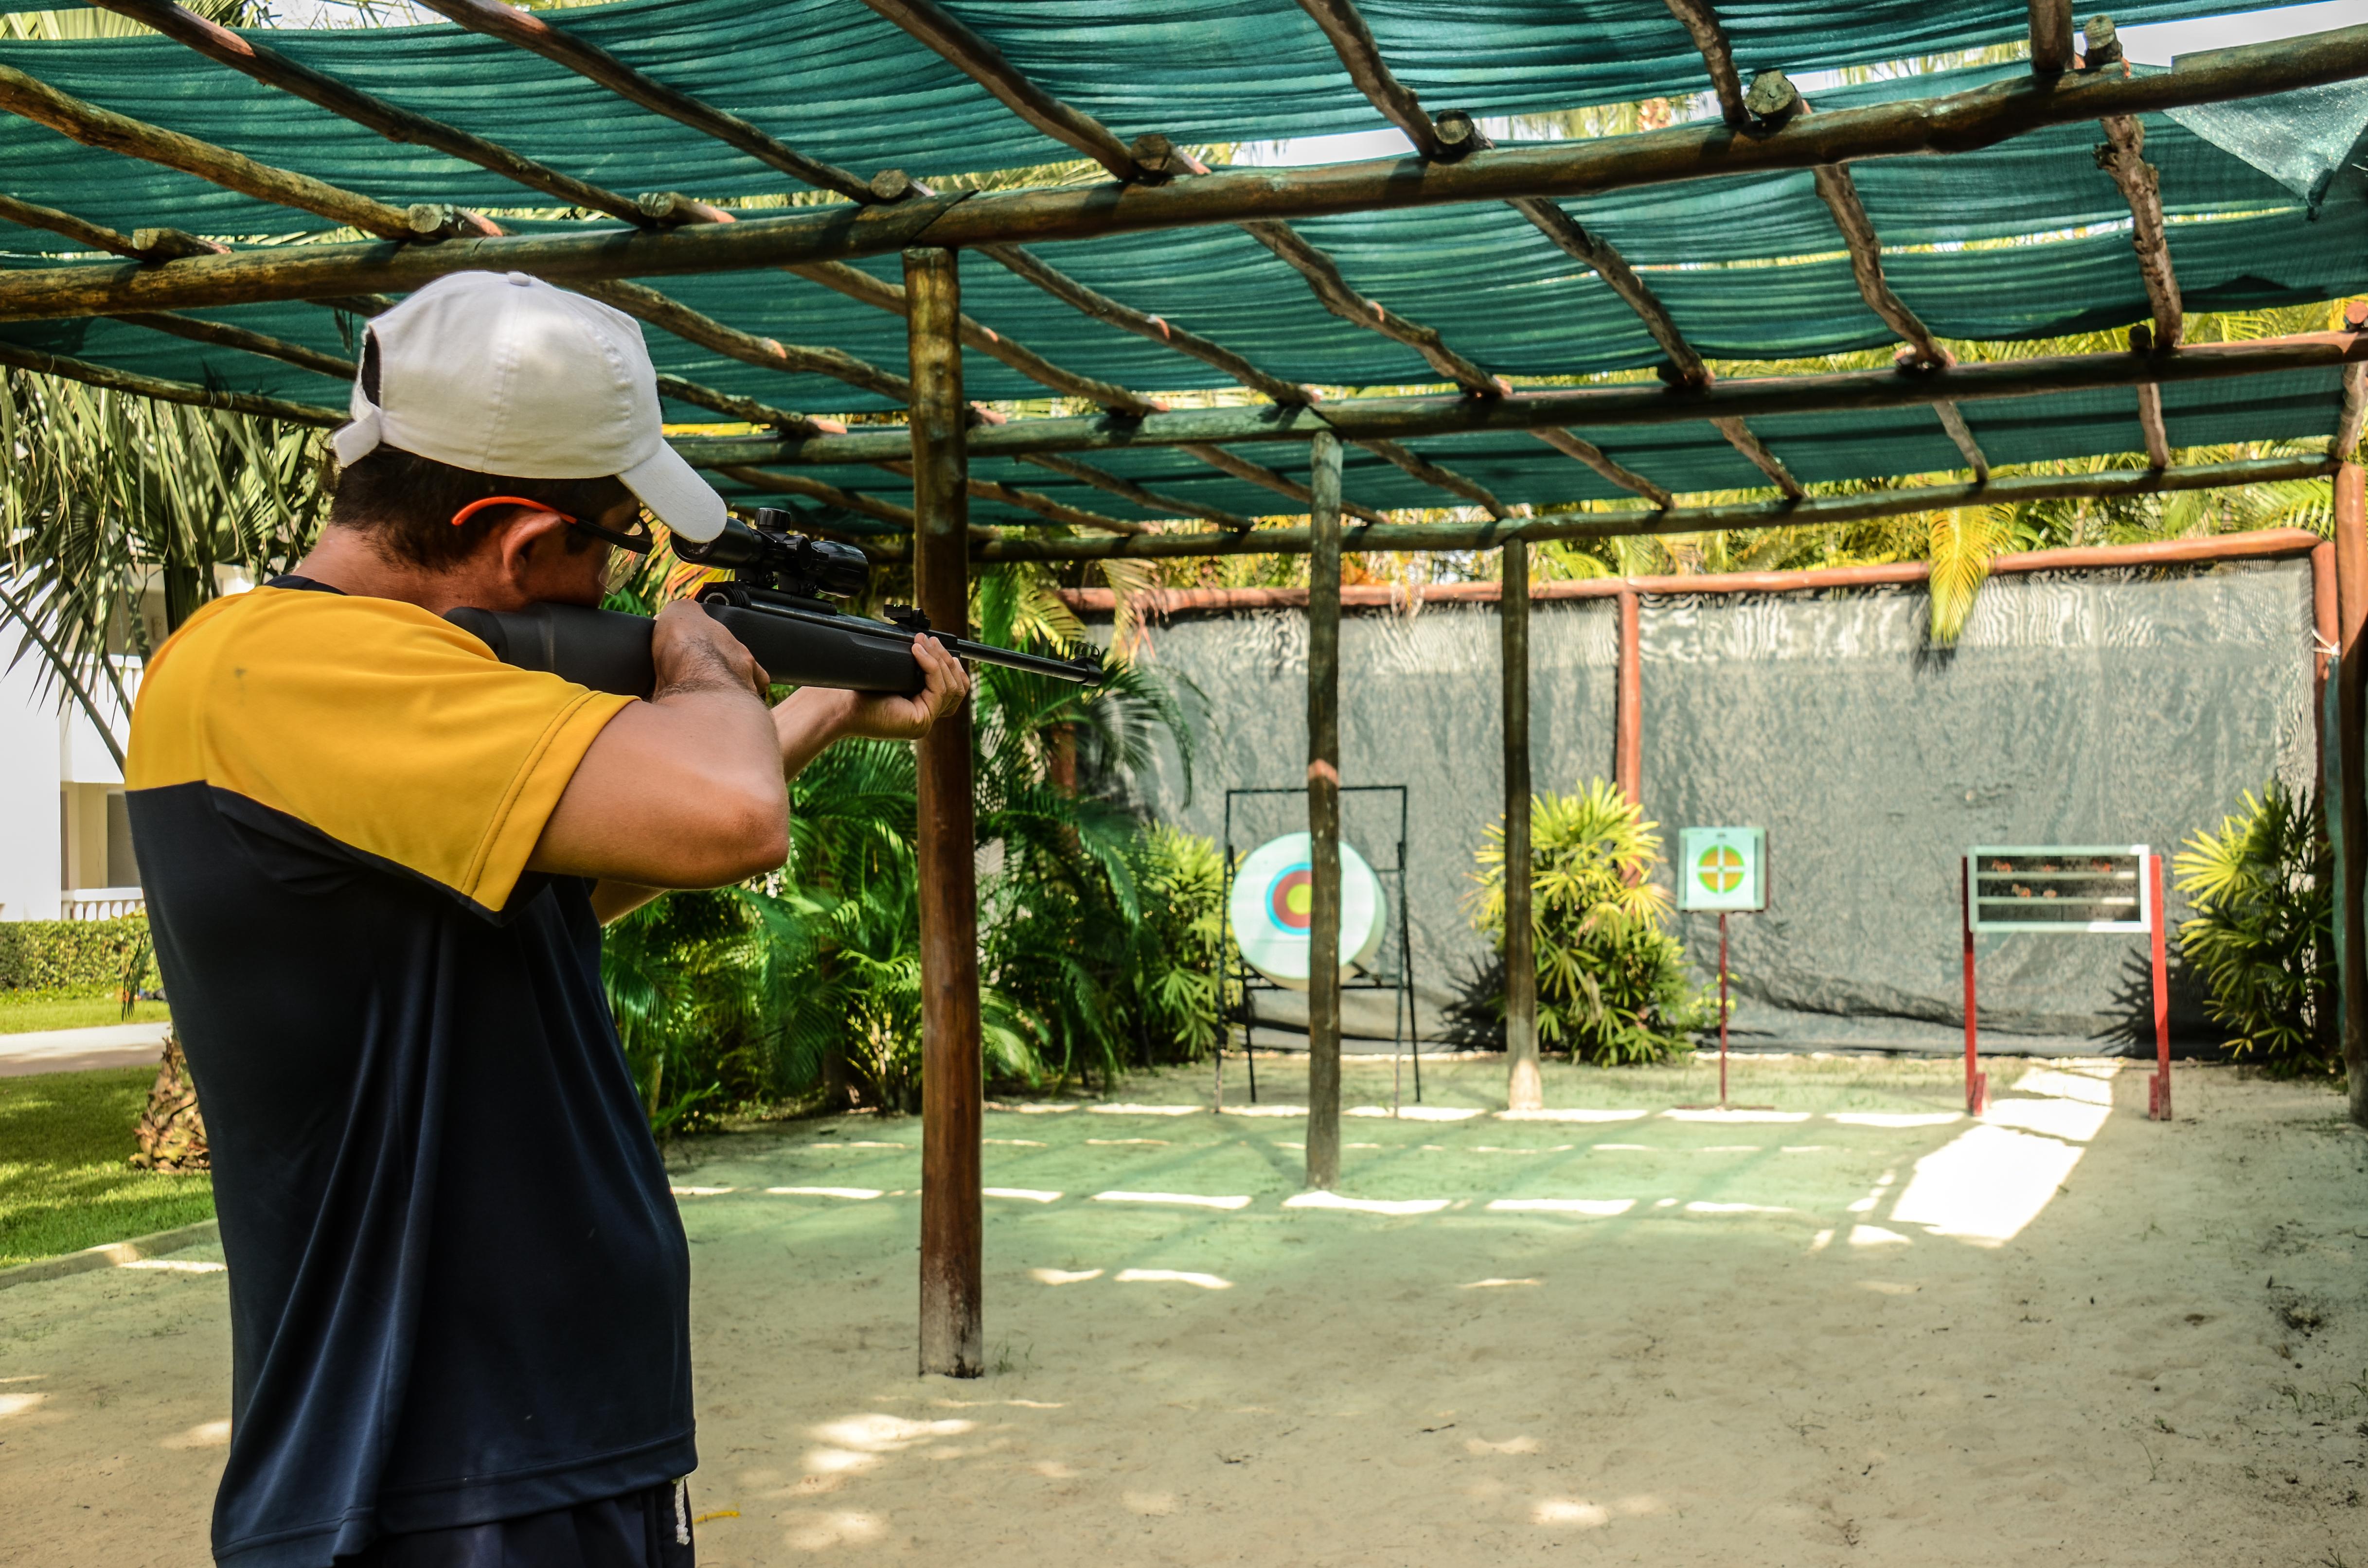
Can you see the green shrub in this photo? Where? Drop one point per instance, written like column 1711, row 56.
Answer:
column 74, row 957
column 1613, row 986
column 2262, row 935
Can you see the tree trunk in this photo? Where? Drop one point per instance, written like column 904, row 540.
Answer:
column 172, row 1130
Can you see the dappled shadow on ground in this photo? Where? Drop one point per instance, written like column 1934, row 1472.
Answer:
column 1856, row 1326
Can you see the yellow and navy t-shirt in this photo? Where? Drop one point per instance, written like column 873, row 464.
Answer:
column 459, row 1284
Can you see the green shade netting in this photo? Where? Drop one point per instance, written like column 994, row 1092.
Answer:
column 838, row 82
column 2027, row 239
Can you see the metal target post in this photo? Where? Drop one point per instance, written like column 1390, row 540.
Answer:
column 1723, row 870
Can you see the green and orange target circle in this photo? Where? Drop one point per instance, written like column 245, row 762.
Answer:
column 1720, row 868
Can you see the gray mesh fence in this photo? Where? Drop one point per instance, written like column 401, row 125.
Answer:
column 2076, row 708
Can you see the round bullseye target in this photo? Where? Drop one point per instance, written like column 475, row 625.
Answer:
column 1273, row 906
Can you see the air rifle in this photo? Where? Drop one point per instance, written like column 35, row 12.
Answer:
column 777, row 604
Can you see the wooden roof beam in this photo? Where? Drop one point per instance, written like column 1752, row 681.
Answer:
column 675, row 387
column 1979, row 117
column 899, row 518
column 1419, row 467
column 141, row 245
column 273, row 69
column 1709, row 37
column 1822, row 509
column 223, row 334
column 95, row 127
column 1588, row 408
column 1739, row 436
column 1150, row 501
column 82, row 230
column 1685, row 366
column 111, row 380
column 956, row 42
column 1922, row 350
column 529, row 31
column 880, row 294
column 1322, row 274
column 1962, row 434
column 1102, row 308
column 1031, row 501
column 748, row 409
column 1596, row 457
column 647, row 304
column 1281, row 484
column 2141, row 184
column 1451, row 136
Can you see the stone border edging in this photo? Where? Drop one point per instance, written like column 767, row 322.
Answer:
column 111, row 1255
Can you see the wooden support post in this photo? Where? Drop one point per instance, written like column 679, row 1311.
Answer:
column 2324, row 631
column 952, row 1090
column 1523, row 1088
column 1628, row 712
column 2351, row 687
column 2151, row 425
column 2051, row 37
column 1324, row 819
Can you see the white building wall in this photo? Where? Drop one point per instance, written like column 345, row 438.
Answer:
column 32, row 816
column 56, row 775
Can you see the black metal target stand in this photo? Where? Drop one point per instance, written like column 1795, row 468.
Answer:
column 1405, row 1035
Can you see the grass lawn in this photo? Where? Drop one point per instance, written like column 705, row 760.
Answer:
column 64, row 1183
column 74, row 1013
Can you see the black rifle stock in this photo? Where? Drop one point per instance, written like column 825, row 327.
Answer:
column 774, row 606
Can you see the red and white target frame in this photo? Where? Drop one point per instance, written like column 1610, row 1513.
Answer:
column 2065, row 888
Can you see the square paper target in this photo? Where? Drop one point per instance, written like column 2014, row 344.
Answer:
column 1722, row 869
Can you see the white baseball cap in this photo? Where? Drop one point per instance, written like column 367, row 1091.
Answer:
column 497, row 372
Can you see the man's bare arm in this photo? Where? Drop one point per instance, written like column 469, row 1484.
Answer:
column 805, row 723
column 684, row 791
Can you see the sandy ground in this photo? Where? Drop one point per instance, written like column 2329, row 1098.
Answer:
column 1860, row 1329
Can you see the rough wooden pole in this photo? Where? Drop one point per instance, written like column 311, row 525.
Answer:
column 2352, row 684
column 2051, row 37
column 1523, row 1089
column 1324, row 818
column 1628, row 717
column 952, row 1339
column 2325, row 628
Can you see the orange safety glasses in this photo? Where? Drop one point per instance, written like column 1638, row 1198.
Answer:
column 640, row 541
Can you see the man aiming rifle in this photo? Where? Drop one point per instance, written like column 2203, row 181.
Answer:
column 377, row 860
